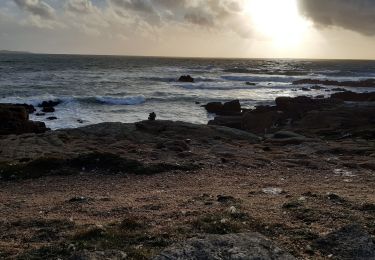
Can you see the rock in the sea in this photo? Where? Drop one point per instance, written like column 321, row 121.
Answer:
column 228, row 108
column 15, row 120
column 350, row 242
column 226, row 247
column 48, row 109
column 51, row 118
column 49, row 103
column 186, row 78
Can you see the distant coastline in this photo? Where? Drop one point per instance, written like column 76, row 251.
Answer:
column 14, row 52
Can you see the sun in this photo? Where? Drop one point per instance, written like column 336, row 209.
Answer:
column 278, row 21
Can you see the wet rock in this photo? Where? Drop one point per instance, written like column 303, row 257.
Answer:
column 350, row 242
column 48, row 109
column 51, row 118
column 49, row 103
column 40, row 114
column 250, row 84
column 186, row 78
column 232, row 246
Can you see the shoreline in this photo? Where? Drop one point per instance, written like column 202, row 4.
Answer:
column 139, row 189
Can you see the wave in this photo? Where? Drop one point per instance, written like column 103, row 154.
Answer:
column 109, row 100
column 129, row 100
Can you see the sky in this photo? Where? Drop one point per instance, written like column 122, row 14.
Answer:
column 327, row 29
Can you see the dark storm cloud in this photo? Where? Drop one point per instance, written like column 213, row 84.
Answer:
column 200, row 12
column 355, row 15
column 36, row 7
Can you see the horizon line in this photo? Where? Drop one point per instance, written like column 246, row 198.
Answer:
column 184, row 57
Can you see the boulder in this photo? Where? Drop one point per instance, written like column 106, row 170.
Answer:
column 233, row 106
column 228, row 108
column 15, row 120
column 186, row 78
column 214, row 107
column 50, row 103
column 232, row 246
column 350, row 242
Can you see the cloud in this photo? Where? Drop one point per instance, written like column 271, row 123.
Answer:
column 80, row 6
column 355, row 15
column 37, row 7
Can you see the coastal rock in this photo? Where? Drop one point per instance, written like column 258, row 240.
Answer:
column 48, row 109
column 186, row 78
column 356, row 97
column 232, row 246
column 214, row 107
column 15, row 120
column 228, row 121
column 49, row 103
column 228, row 108
column 262, row 122
column 350, row 242
column 298, row 106
column 362, row 83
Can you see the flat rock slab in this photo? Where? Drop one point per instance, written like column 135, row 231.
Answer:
column 242, row 246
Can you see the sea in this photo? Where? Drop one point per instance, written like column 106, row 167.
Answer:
column 96, row 89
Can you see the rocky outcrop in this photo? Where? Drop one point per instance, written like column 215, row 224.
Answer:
column 355, row 97
column 350, row 242
column 361, row 83
column 186, row 78
column 232, row 246
column 320, row 116
column 15, row 120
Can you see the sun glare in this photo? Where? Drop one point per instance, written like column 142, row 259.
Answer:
column 278, row 21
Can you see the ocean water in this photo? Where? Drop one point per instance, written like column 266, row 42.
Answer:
column 95, row 89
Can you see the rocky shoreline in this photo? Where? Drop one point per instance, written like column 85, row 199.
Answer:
column 294, row 180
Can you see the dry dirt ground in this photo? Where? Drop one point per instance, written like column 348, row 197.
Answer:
column 292, row 194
